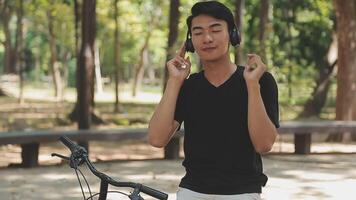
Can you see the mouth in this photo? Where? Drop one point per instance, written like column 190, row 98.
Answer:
column 208, row 49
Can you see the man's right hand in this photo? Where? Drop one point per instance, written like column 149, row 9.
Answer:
column 179, row 67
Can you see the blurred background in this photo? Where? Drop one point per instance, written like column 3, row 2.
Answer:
column 69, row 64
column 99, row 65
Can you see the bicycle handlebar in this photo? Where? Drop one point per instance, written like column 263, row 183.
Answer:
column 81, row 154
column 68, row 143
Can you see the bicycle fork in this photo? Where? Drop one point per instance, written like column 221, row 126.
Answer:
column 103, row 190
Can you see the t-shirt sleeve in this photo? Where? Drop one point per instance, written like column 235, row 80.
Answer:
column 269, row 93
column 180, row 105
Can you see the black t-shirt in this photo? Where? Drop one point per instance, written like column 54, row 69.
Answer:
column 219, row 155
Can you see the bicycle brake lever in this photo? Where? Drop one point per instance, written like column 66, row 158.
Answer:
column 135, row 195
column 60, row 156
column 77, row 157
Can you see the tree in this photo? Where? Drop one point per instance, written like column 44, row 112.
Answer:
column 116, row 56
column 54, row 64
column 239, row 7
column 77, row 14
column 7, row 9
column 20, row 47
column 75, row 115
column 346, row 76
column 174, row 16
column 85, row 69
column 152, row 18
column 314, row 105
column 140, row 66
column 263, row 26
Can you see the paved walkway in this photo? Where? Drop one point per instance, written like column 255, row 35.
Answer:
column 290, row 177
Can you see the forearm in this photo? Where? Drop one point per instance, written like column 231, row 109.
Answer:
column 261, row 129
column 161, row 123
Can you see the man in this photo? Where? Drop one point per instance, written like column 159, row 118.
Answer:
column 230, row 112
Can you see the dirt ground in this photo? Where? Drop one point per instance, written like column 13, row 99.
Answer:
column 316, row 176
column 328, row 173
column 290, row 177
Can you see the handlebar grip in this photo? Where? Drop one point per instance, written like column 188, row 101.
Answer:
column 154, row 193
column 66, row 141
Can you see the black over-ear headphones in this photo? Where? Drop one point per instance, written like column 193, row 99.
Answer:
column 235, row 39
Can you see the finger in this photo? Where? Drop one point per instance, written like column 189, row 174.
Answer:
column 187, row 63
column 250, row 56
column 251, row 61
column 182, row 50
column 174, row 62
column 182, row 61
column 247, row 68
column 262, row 67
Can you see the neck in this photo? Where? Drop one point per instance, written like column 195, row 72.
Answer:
column 220, row 69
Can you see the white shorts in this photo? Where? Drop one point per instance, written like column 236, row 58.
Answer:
column 186, row 194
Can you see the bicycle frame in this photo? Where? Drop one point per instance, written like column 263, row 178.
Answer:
column 79, row 156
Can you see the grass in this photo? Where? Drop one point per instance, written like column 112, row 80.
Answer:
column 42, row 111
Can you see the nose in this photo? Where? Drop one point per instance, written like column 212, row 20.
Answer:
column 207, row 38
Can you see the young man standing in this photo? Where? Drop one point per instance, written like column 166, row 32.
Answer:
column 230, row 112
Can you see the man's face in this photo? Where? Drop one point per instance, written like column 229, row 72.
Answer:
column 210, row 37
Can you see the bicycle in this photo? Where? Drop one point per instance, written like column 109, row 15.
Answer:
column 79, row 156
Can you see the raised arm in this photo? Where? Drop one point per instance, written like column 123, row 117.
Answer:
column 262, row 130
column 162, row 125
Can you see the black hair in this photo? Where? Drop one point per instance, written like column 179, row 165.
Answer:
column 214, row 9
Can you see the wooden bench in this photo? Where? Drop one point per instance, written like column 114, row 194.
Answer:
column 30, row 141
column 302, row 131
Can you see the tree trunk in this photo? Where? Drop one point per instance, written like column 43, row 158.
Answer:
column 170, row 151
column 117, row 56
column 77, row 14
column 174, row 16
column 353, row 134
column 288, row 15
column 262, row 27
column 65, row 60
column 85, row 69
column 346, row 77
column 55, row 67
column 6, row 13
column 239, row 7
column 313, row 107
column 140, row 69
column 19, row 48
column 73, row 116
column 98, row 80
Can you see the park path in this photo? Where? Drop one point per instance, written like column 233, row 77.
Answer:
column 325, row 176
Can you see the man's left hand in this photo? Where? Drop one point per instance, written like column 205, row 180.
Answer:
column 254, row 69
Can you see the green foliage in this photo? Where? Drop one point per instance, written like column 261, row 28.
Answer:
column 298, row 37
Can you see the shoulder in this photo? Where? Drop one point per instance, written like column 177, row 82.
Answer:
column 190, row 81
column 267, row 78
column 193, row 78
column 268, row 83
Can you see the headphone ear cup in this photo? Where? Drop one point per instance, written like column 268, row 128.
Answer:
column 189, row 45
column 235, row 37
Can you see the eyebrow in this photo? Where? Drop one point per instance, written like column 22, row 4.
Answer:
column 217, row 24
